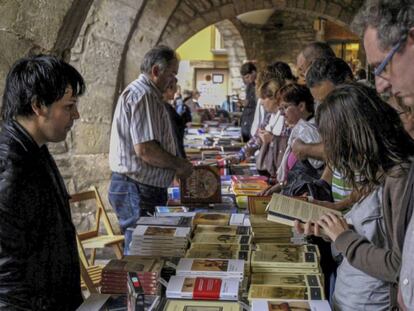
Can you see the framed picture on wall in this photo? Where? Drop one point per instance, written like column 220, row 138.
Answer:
column 218, row 78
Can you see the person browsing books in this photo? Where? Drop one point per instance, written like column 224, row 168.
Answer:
column 380, row 159
column 143, row 154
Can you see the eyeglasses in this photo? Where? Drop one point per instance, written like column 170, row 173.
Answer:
column 381, row 67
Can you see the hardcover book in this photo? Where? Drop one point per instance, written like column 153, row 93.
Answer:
column 230, row 230
column 258, row 204
column 281, row 292
column 221, row 239
column 203, row 186
column 285, row 259
column 203, row 288
column 194, row 305
column 286, row 280
column 280, row 305
column 229, row 268
column 211, row 219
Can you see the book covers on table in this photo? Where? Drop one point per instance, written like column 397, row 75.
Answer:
column 230, row 230
column 203, row 288
column 221, row 239
column 225, row 268
column 285, row 210
column 203, row 186
column 281, row 305
column 200, row 305
column 283, row 292
column 211, row 219
column 173, row 221
column 166, row 211
column 285, row 259
column 286, row 280
column 258, row 204
column 115, row 274
column 287, row 248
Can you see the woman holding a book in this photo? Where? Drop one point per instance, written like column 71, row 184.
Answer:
column 365, row 140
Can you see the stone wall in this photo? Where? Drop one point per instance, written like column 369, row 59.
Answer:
column 106, row 40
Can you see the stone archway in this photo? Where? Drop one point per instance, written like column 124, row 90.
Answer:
column 236, row 53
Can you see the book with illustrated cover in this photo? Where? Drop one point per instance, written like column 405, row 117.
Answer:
column 258, row 204
column 285, row 210
column 286, row 280
column 203, row 288
column 230, row 230
column 281, row 292
column 229, row 268
column 287, row 248
column 201, row 305
column 161, row 232
column 211, row 219
column 203, row 186
column 173, row 211
column 285, row 259
column 298, row 305
column 286, row 270
column 221, row 254
column 221, row 239
column 173, row 221
column 220, row 247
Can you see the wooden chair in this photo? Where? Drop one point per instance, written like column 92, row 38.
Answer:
column 91, row 276
column 93, row 239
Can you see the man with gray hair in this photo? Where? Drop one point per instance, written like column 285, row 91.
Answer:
column 311, row 52
column 387, row 27
column 143, row 155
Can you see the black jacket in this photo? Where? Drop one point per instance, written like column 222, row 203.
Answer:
column 247, row 116
column 39, row 265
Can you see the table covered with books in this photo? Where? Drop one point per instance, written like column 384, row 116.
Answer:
column 214, row 247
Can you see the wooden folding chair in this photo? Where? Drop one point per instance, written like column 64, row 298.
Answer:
column 91, row 276
column 93, row 239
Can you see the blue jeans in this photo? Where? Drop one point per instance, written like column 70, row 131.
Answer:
column 130, row 200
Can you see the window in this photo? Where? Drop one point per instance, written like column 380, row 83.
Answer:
column 217, row 46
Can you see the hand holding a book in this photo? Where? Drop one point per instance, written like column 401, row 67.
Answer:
column 265, row 136
column 333, row 225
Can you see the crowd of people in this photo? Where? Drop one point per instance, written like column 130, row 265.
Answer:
column 324, row 134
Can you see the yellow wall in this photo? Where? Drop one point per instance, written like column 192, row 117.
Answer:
column 199, row 46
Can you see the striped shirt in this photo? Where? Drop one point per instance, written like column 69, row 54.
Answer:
column 340, row 189
column 140, row 116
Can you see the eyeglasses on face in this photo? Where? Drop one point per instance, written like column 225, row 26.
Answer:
column 381, row 67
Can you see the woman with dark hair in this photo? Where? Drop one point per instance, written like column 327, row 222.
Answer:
column 297, row 106
column 365, row 140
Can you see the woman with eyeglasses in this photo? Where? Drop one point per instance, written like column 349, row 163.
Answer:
column 366, row 141
column 297, row 105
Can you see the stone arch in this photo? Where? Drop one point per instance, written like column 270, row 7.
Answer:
column 236, row 52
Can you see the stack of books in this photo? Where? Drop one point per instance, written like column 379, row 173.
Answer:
column 265, row 231
column 164, row 221
column 289, row 258
column 197, row 288
column 266, row 305
column 286, row 271
column 224, row 242
column 115, row 274
column 167, row 211
column 216, row 268
column 193, row 305
column 159, row 241
column 221, row 219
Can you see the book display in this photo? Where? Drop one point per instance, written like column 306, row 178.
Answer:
column 215, row 247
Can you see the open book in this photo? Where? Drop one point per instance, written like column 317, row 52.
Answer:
column 285, row 210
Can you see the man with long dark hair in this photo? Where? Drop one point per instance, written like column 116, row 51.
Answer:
column 39, row 266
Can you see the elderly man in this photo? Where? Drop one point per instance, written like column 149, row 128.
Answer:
column 388, row 31
column 143, row 153
column 39, row 266
column 311, row 52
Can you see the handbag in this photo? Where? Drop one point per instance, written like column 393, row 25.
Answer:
column 271, row 154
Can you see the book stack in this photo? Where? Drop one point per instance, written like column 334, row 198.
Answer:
column 194, row 305
column 159, row 241
column 166, row 211
column 286, row 271
column 265, row 231
column 216, row 268
column 221, row 219
column 115, row 274
column 163, row 221
column 224, row 242
column 286, row 258
column 266, row 305
column 203, row 288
